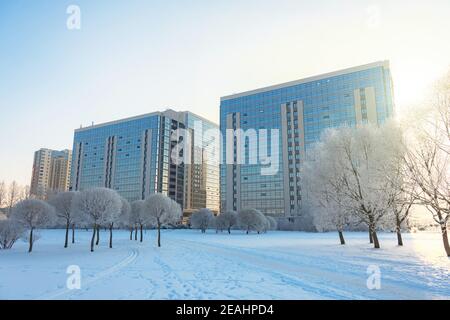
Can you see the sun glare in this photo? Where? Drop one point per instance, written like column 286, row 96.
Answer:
column 412, row 85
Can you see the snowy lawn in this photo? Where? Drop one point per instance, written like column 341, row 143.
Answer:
column 191, row 265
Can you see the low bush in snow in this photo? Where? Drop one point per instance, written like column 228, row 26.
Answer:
column 10, row 232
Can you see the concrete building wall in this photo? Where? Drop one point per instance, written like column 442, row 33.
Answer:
column 51, row 172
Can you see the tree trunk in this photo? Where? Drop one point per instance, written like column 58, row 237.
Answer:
column 141, row 234
column 30, row 248
column 341, row 237
column 110, row 234
column 399, row 236
column 159, row 234
column 445, row 240
column 66, row 241
column 131, row 233
column 398, row 229
column 229, row 230
column 135, row 233
column 371, row 229
column 93, row 238
column 376, row 244
column 98, row 236
column 73, row 232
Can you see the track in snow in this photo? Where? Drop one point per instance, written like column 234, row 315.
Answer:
column 134, row 253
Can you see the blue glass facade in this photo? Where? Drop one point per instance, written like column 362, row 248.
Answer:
column 92, row 156
column 203, row 189
column 133, row 157
column 301, row 110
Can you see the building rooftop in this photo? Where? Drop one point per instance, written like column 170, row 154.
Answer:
column 117, row 121
column 384, row 64
column 177, row 115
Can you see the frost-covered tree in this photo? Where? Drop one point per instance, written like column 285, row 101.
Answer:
column 263, row 224
column 62, row 202
column 138, row 219
column 3, row 193
column 333, row 217
column 226, row 220
column 25, row 192
column 13, row 196
column 162, row 210
column 251, row 219
column 266, row 225
column 175, row 214
column 401, row 209
column 430, row 168
column 94, row 205
column 214, row 225
column 273, row 225
column 124, row 217
column 354, row 160
column 201, row 219
column 135, row 217
column 438, row 120
column 400, row 189
column 33, row 214
column 323, row 191
column 219, row 224
column 427, row 158
column 112, row 216
column 10, row 231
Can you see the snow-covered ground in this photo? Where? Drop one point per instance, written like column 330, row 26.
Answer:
column 191, row 265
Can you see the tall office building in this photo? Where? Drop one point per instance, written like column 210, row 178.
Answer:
column 299, row 111
column 134, row 157
column 202, row 174
column 51, row 172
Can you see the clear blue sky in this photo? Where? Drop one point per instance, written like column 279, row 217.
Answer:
column 134, row 57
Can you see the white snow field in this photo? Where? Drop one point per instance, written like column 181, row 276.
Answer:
column 191, row 265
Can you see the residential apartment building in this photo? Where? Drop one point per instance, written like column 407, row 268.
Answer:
column 299, row 111
column 51, row 172
column 134, row 157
